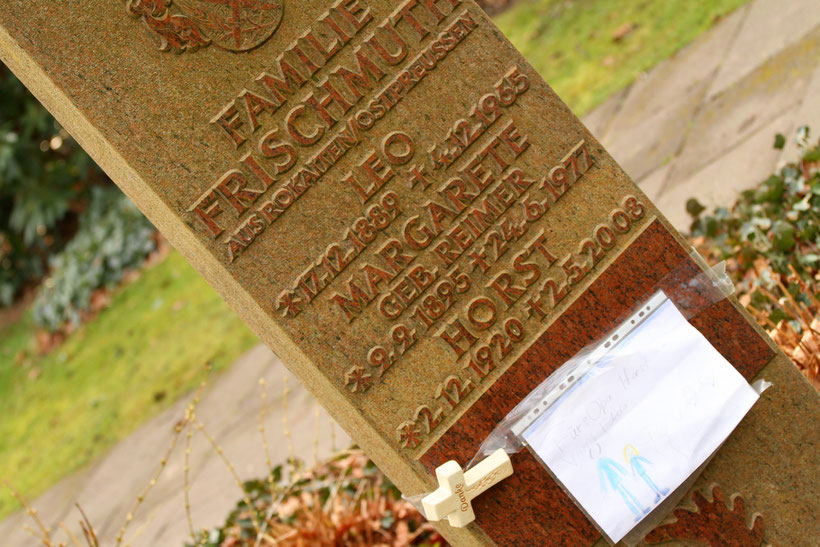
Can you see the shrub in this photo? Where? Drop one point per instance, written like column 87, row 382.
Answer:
column 770, row 240
column 346, row 501
column 44, row 178
column 112, row 238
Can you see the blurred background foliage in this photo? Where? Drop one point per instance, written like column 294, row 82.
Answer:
column 44, row 182
column 59, row 214
column 112, row 237
column 73, row 248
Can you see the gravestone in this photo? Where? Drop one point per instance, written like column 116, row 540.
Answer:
column 399, row 206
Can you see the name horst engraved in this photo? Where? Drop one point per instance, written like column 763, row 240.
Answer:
column 452, row 245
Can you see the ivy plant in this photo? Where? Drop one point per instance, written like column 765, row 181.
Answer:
column 771, row 235
column 113, row 237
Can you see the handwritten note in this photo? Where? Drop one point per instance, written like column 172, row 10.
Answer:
column 641, row 421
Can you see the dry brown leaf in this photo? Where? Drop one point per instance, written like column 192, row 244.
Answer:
column 623, row 31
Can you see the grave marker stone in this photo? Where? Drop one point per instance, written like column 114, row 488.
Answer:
column 400, row 207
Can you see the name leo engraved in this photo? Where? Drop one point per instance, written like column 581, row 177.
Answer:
column 452, row 245
column 403, row 210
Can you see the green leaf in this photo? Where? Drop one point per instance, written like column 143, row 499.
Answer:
column 771, row 190
column 783, row 233
column 758, row 298
column 711, row 226
column 779, row 141
column 388, row 520
column 803, row 205
column 748, row 231
column 694, row 207
column 812, row 156
column 763, row 223
column 777, row 315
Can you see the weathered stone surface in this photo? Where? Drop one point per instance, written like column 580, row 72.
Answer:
column 396, row 204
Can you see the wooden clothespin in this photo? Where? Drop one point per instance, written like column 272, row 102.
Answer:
column 457, row 489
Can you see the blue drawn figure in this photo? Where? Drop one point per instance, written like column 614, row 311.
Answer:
column 612, row 472
column 637, row 463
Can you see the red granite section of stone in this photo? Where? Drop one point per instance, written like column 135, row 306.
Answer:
column 714, row 523
column 557, row 521
column 734, row 338
column 654, row 261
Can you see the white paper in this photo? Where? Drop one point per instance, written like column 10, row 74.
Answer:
column 641, row 421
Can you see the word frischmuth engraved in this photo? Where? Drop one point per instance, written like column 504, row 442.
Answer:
column 365, row 170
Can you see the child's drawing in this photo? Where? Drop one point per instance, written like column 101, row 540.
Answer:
column 638, row 463
column 612, row 472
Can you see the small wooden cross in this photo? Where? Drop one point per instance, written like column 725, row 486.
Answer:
column 457, row 489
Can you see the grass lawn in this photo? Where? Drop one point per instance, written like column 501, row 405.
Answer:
column 147, row 349
column 571, row 42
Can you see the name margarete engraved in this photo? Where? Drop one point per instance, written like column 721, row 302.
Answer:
column 460, row 257
column 399, row 204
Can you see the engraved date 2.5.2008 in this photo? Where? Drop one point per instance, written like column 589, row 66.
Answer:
column 591, row 251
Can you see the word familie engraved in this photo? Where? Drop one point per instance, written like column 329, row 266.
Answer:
column 188, row 25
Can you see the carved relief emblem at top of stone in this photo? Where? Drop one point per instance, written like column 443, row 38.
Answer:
column 188, row 25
